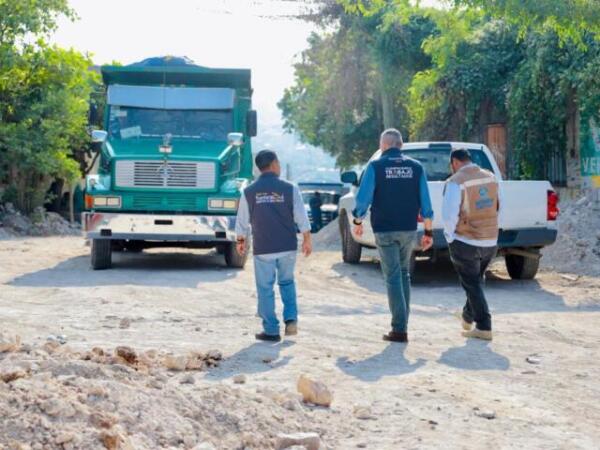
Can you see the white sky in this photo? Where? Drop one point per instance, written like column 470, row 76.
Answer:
column 214, row 33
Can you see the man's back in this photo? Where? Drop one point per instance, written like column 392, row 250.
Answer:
column 396, row 199
column 271, row 206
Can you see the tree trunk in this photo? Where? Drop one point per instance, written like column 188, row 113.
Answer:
column 72, row 203
column 387, row 106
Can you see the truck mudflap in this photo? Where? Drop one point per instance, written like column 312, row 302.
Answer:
column 154, row 227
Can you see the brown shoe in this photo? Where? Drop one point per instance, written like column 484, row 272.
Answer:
column 395, row 336
column 291, row 328
column 267, row 337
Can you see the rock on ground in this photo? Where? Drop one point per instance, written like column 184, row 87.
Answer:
column 314, row 392
column 309, row 441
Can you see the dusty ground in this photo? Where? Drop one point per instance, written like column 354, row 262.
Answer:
column 428, row 394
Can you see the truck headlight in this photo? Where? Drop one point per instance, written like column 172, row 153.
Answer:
column 218, row 203
column 110, row 202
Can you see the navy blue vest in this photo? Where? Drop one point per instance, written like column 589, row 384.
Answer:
column 271, row 206
column 396, row 201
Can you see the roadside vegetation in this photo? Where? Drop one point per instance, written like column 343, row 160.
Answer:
column 444, row 74
column 44, row 102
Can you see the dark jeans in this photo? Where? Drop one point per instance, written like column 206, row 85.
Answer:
column 395, row 250
column 471, row 263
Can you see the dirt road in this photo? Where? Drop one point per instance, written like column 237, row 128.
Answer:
column 429, row 394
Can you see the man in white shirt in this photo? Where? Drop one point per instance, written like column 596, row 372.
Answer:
column 470, row 211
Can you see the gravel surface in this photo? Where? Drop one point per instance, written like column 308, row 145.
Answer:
column 536, row 385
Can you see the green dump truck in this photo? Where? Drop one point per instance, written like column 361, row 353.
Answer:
column 174, row 156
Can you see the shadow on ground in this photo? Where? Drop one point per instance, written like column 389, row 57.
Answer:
column 474, row 355
column 260, row 357
column 390, row 362
column 164, row 269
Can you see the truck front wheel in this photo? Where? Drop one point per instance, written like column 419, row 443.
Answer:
column 101, row 254
column 522, row 267
column 233, row 258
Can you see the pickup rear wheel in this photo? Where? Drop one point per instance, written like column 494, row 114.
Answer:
column 101, row 254
column 233, row 258
column 351, row 250
column 522, row 267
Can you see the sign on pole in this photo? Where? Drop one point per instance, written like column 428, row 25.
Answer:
column 590, row 149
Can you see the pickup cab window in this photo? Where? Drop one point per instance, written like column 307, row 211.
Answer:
column 130, row 122
column 437, row 161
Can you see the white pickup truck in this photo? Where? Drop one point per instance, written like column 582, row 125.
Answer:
column 527, row 220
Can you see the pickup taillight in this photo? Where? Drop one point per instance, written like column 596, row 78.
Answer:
column 420, row 218
column 553, row 209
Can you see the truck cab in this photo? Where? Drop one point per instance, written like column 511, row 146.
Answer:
column 174, row 156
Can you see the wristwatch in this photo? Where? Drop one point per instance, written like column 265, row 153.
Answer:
column 428, row 233
column 356, row 221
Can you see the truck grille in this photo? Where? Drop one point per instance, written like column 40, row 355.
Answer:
column 182, row 175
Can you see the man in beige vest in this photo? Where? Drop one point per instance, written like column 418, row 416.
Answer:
column 470, row 214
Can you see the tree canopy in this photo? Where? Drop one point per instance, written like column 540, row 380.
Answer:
column 450, row 72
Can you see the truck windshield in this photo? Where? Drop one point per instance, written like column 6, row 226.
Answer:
column 437, row 161
column 129, row 122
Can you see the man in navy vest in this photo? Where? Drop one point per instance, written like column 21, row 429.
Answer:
column 395, row 187
column 274, row 210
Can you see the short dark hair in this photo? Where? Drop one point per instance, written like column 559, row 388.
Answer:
column 264, row 159
column 461, row 154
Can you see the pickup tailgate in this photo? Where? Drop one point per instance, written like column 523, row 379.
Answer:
column 525, row 204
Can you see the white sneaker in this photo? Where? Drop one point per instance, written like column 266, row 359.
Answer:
column 465, row 325
column 486, row 335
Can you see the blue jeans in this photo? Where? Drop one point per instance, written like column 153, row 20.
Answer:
column 395, row 250
column 267, row 269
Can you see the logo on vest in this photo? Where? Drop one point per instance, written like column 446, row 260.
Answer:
column 484, row 201
column 398, row 172
column 269, row 197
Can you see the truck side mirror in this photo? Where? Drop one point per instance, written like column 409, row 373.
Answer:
column 98, row 138
column 235, row 139
column 350, row 177
column 251, row 123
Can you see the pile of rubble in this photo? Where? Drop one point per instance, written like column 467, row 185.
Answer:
column 329, row 237
column 40, row 223
column 577, row 249
column 52, row 397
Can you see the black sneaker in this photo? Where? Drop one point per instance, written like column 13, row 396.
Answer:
column 291, row 328
column 267, row 337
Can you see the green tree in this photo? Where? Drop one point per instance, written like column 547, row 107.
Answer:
column 44, row 92
column 570, row 19
column 352, row 83
column 467, row 86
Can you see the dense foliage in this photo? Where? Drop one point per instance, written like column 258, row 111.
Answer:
column 44, row 92
column 529, row 65
column 352, row 83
